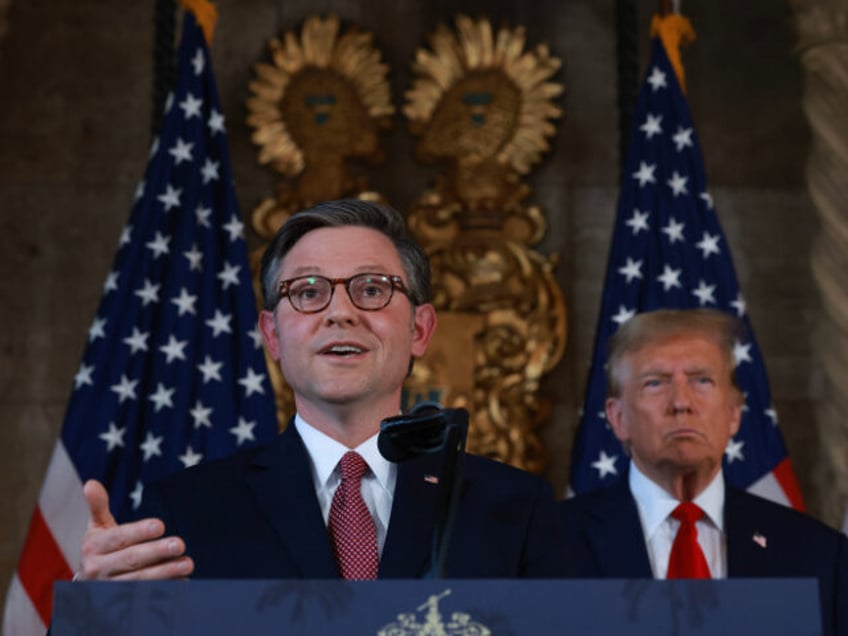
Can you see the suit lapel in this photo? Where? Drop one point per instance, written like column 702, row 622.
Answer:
column 615, row 534
column 282, row 483
column 747, row 542
column 406, row 553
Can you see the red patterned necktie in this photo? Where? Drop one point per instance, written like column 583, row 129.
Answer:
column 351, row 526
column 687, row 559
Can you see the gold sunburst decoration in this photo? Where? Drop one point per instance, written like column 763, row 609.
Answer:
column 518, row 95
column 318, row 83
column 483, row 107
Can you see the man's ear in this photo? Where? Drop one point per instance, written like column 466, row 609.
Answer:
column 615, row 418
column 268, row 329
column 423, row 327
column 736, row 414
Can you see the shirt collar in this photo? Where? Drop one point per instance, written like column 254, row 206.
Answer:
column 325, row 453
column 655, row 504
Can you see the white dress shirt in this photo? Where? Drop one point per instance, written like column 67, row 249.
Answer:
column 655, row 506
column 378, row 484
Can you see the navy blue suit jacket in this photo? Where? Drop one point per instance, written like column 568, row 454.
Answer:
column 604, row 539
column 256, row 515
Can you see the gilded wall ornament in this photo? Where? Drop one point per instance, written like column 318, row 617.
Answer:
column 320, row 101
column 483, row 106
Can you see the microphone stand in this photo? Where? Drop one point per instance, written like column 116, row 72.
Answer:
column 428, row 429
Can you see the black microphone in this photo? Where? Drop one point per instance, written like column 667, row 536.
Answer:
column 429, row 429
column 421, row 431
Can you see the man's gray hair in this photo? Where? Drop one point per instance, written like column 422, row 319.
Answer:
column 654, row 326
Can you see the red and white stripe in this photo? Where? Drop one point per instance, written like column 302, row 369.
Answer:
column 51, row 549
column 780, row 485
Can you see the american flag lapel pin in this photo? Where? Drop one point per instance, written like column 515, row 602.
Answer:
column 760, row 540
column 431, row 479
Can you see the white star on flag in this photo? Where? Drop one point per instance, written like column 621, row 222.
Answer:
column 220, row 323
column 114, row 437
column 191, row 106
column 656, row 79
column 708, row 244
column 705, row 293
column 670, row 278
column 174, row 349
column 639, row 221
column 252, row 382
column 229, row 275
column 83, row 376
column 645, row 174
column 181, row 151
column 171, row 198
column 677, row 183
column 200, row 414
column 152, row 446
column 97, row 329
column 674, row 230
column 159, row 245
column 651, row 126
column 605, row 465
column 632, row 269
column 682, row 138
column 741, row 353
column 236, row 229
column 190, row 458
column 137, row 341
column 209, row 171
column 623, row 315
column 162, row 397
column 734, row 450
column 149, row 293
column 244, row 431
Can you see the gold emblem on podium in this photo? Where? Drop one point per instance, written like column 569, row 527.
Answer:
column 459, row 624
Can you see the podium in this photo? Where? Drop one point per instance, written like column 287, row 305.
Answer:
column 434, row 607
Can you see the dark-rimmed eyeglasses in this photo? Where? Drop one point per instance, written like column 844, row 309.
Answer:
column 369, row 292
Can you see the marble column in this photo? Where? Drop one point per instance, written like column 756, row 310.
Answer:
column 823, row 51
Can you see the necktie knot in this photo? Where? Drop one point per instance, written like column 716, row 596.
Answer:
column 353, row 466
column 687, row 512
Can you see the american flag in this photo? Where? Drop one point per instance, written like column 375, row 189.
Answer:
column 668, row 251
column 173, row 372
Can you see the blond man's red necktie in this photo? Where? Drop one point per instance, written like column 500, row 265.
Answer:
column 351, row 525
column 687, row 559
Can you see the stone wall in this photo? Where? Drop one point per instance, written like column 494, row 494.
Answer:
column 75, row 80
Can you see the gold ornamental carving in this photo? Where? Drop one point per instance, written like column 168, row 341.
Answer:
column 319, row 102
column 482, row 105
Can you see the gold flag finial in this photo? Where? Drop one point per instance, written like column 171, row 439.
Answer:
column 206, row 15
column 674, row 31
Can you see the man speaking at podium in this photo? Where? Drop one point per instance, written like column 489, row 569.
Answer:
column 346, row 293
column 674, row 404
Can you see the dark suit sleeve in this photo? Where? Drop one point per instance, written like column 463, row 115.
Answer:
column 545, row 549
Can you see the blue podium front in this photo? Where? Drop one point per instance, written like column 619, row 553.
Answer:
column 439, row 607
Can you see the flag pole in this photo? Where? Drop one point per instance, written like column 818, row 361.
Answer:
column 627, row 55
column 164, row 55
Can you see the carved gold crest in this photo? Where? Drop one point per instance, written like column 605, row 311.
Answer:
column 482, row 105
